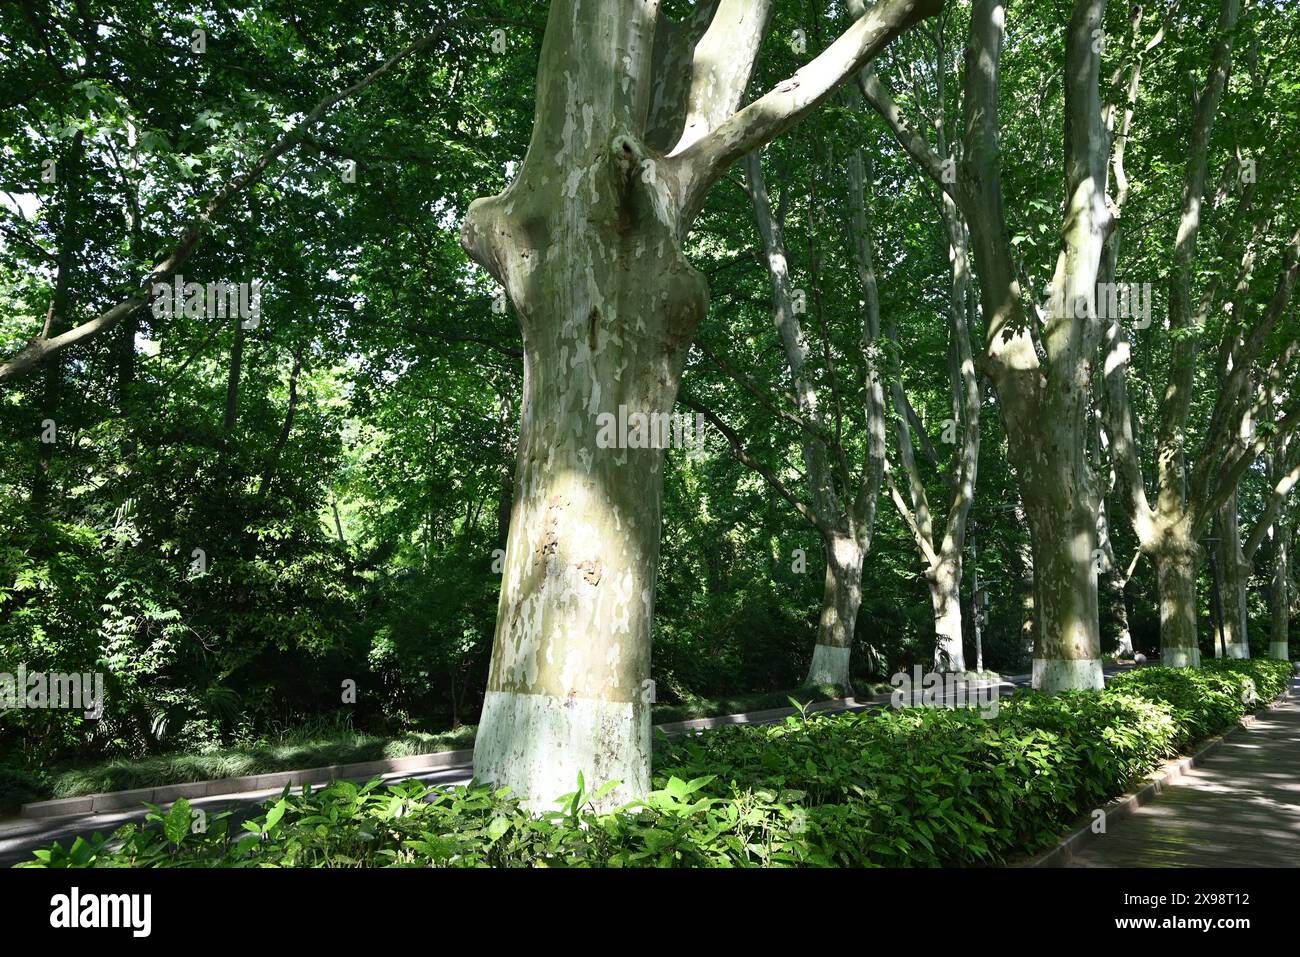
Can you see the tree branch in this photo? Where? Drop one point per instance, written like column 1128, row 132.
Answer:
column 790, row 101
column 39, row 350
column 747, row 460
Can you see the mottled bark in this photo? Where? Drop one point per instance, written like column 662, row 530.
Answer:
column 941, row 552
column 1187, row 497
column 944, row 584
column 1116, row 582
column 842, row 597
column 1234, row 573
column 1280, row 594
column 1274, row 522
column 1045, row 410
column 1176, row 571
column 1177, row 557
column 844, row 519
column 587, row 243
column 1044, row 401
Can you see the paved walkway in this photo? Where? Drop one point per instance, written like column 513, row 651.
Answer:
column 1240, row 808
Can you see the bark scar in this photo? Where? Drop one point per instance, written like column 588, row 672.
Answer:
column 550, row 542
column 591, row 571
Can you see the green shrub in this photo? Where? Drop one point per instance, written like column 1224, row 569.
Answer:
column 18, row 786
column 1207, row 699
column 343, row 748
column 906, row 788
column 318, row 743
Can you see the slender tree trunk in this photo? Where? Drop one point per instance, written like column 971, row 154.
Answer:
column 338, row 521
column 1235, row 575
column 59, row 315
column 232, row 378
column 1124, row 638
column 1281, row 593
column 845, row 520
column 1025, row 554
column 945, row 600
column 130, row 325
column 942, row 552
column 946, row 571
column 282, row 440
column 830, row 660
column 1274, row 523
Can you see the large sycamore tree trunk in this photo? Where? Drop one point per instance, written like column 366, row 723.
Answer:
column 841, row 600
column 1176, row 560
column 635, row 119
column 1040, row 366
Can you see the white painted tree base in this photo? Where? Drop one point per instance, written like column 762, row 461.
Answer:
column 1067, row 674
column 1233, row 650
column 536, row 745
column 1278, row 650
column 1180, row 657
column 830, row 666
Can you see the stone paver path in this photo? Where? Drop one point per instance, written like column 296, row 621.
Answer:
column 1240, row 808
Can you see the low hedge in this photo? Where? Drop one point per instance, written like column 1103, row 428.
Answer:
column 905, row 788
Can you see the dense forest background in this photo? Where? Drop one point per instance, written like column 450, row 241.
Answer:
column 231, row 523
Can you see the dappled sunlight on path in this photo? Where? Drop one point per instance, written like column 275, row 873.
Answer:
column 1240, row 808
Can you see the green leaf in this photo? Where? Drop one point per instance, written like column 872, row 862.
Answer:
column 497, row 828
column 177, row 823
column 274, row 815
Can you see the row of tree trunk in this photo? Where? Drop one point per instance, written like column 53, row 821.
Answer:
column 629, row 136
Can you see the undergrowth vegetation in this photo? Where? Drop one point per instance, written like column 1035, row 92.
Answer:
column 311, row 745
column 906, row 788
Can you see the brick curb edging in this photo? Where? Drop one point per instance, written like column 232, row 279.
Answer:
column 1128, row 804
